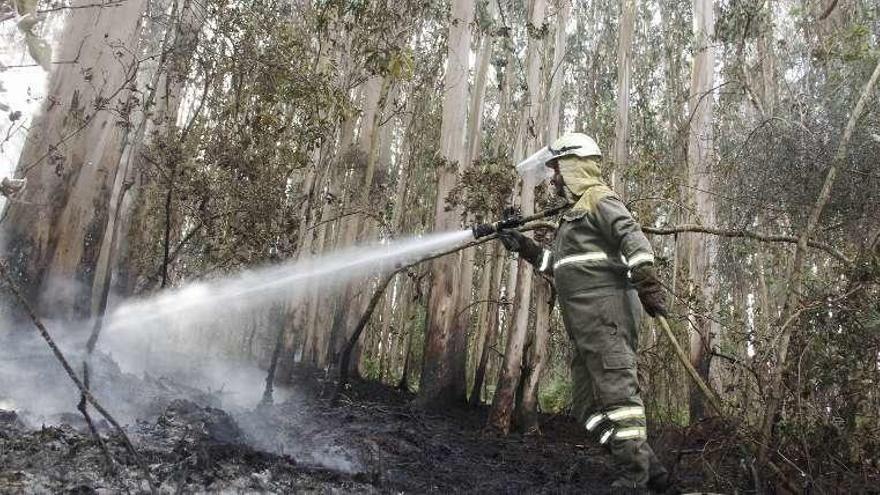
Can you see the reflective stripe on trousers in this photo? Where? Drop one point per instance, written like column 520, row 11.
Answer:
column 612, row 427
column 624, row 434
column 615, row 415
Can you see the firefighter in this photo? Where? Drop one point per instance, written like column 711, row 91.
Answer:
column 602, row 265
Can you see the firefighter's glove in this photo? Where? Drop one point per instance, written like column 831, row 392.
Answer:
column 514, row 241
column 644, row 278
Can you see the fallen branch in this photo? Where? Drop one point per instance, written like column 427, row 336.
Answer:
column 710, row 395
column 83, row 408
column 86, row 394
column 790, row 239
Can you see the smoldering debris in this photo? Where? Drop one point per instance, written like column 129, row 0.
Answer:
column 178, row 427
column 373, row 441
column 189, row 448
column 32, row 383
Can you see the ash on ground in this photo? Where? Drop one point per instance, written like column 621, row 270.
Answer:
column 372, row 441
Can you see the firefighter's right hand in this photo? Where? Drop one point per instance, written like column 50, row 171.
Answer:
column 644, row 278
column 514, row 241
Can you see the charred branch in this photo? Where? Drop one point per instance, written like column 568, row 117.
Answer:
column 56, row 351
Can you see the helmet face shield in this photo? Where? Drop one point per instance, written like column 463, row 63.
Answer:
column 535, row 166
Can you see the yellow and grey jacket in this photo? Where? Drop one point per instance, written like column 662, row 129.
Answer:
column 595, row 249
column 598, row 240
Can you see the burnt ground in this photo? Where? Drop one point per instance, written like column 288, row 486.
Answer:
column 372, row 441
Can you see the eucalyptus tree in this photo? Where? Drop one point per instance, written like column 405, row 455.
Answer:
column 527, row 139
column 54, row 233
column 443, row 373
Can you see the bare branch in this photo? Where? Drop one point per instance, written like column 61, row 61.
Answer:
column 111, row 3
column 790, row 239
column 4, row 273
column 828, row 10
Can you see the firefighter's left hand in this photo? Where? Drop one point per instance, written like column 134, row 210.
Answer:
column 644, row 278
column 516, row 242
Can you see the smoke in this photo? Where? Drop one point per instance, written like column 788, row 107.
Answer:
column 192, row 342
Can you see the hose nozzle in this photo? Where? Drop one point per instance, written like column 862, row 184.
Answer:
column 512, row 219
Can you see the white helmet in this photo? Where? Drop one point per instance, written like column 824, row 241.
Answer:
column 575, row 143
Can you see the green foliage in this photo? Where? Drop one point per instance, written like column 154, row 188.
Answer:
column 370, row 368
column 555, row 395
column 395, row 64
column 485, row 188
column 538, row 32
column 741, row 20
column 852, row 44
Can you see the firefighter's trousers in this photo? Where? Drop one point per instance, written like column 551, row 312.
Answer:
column 604, row 327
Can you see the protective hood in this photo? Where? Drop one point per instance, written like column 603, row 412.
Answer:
column 583, row 177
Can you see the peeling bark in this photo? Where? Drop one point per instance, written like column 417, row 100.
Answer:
column 71, row 159
column 443, row 379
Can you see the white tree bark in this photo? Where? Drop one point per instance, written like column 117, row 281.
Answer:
column 557, row 71
column 443, row 378
column 702, row 250
column 624, row 77
column 478, row 95
column 543, row 300
column 71, row 158
column 501, row 413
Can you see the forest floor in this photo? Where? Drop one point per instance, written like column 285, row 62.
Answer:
column 372, row 441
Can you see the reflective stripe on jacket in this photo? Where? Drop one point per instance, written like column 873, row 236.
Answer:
column 595, row 249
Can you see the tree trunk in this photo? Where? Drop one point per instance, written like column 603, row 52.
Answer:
column 529, row 405
column 396, row 323
column 478, row 95
column 528, row 416
column 488, row 320
column 624, row 75
column 176, row 44
column 359, row 226
column 401, row 194
column 483, row 305
column 501, row 138
column 318, row 327
column 767, row 59
column 504, row 401
column 702, row 250
column 443, row 379
column 473, row 140
column 71, row 158
column 557, row 71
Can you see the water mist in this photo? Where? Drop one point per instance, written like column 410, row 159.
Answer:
column 190, row 343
